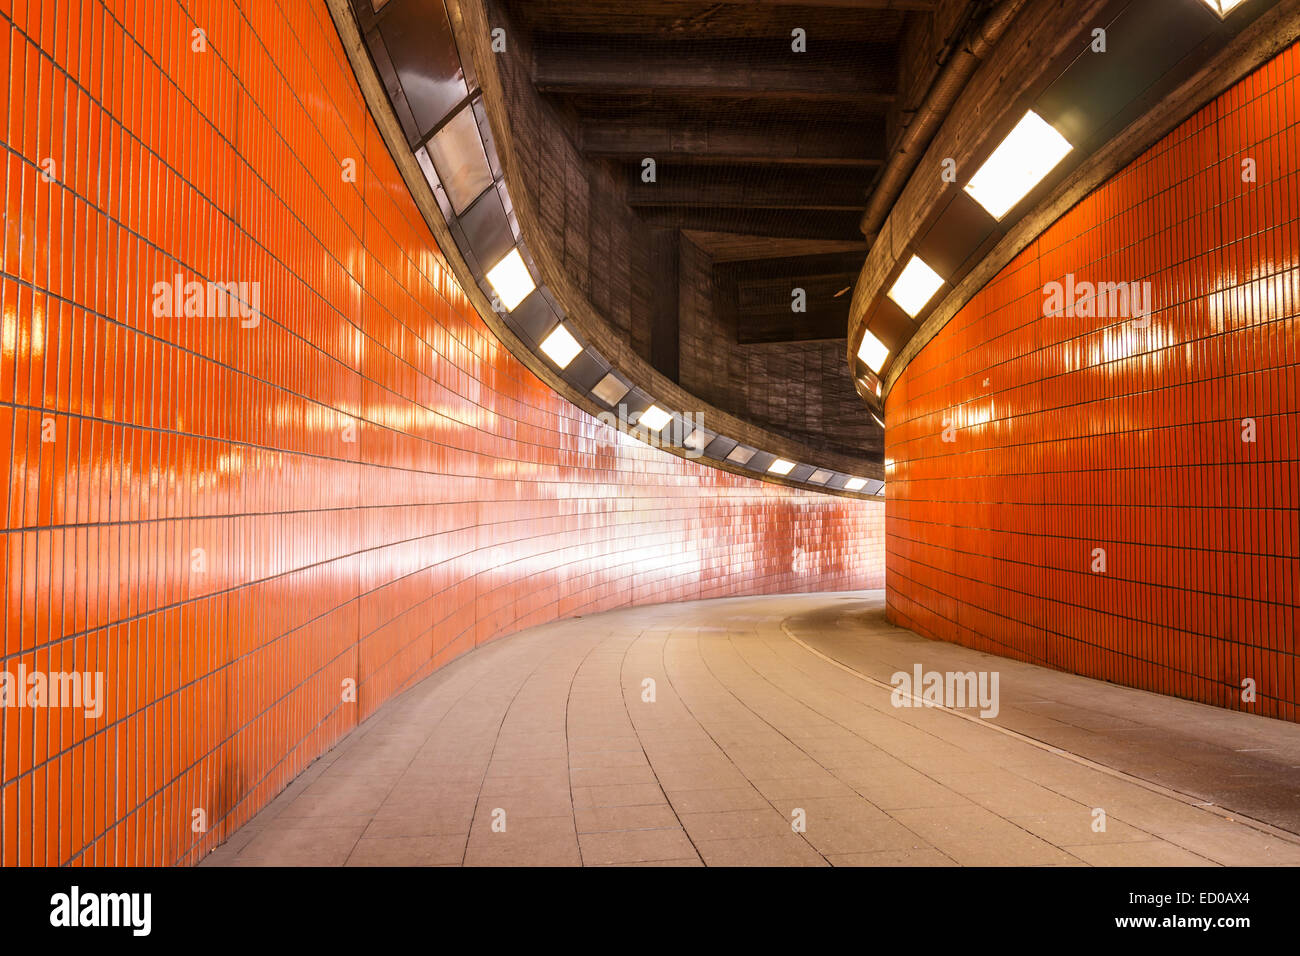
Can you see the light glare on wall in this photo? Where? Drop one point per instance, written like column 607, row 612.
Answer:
column 915, row 286
column 561, row 347
column 781, row 467
column 510, row 280
column 654, row 418
column 855, row 484
column 872, row 352
column 1030, row 152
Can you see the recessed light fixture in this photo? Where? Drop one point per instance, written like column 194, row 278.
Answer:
column 781, row 467
column 610, row 389
column 855, row 484
column 881, row 491
column 654, row 418
column 697, row 439
column 1223, row 7
column 915, row 286
column 820, row 476
column 561, row 347
column 458, row 157
column 510, row 280
column 1021, row 161
column 740, row 454
column 872, row 352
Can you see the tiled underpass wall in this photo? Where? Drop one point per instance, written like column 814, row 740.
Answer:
column 233, row 518
column 1170, row 452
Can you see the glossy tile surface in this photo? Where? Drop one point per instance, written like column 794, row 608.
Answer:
column 259, row 530
column 1069, row 435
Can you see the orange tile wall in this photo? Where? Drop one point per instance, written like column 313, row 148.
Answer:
column 472, row 502
column 1077, row 433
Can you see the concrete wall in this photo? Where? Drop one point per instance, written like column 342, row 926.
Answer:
column 798, row 389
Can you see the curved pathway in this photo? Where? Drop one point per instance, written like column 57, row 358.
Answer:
column 763, row 731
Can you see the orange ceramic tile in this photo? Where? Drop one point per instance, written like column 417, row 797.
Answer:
column 1114, row 498
column 258, row 534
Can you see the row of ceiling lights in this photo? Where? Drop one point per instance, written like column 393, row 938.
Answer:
column 457, row 157
column 1023, row 159
column 458, row 162
column 1030, row 151
column 513, row 283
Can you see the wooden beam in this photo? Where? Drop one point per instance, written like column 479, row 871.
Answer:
column 586, row 15
column 759, row 296
column 706, row 141
column 775, row 223
column 818, row 323
column 830, row 264
column 741, row 188
column 734, row 247
column 738, row 68
column 922, row 5
column 777, row 295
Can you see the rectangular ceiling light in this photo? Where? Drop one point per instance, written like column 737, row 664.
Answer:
column 881, row 491
column 561, row 347
column 916, row 286
column 458, row 156
column 654, row 418
column 820, row 476
column 781, row 467
column 872, row 352
column 855, row 484
column 610, row 389
column 510, row 280
column 740, row 454
column 1029, row 153
column 697, row 439
column 1223, row 7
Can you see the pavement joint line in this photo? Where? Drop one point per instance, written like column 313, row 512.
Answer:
column 1229, row 815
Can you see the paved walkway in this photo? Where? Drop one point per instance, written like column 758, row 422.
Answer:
column 769, row 713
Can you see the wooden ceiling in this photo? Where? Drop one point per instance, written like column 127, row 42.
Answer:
column 764, row 156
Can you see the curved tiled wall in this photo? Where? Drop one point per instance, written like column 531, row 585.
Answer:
column 232, row 519
column 1071, row 435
